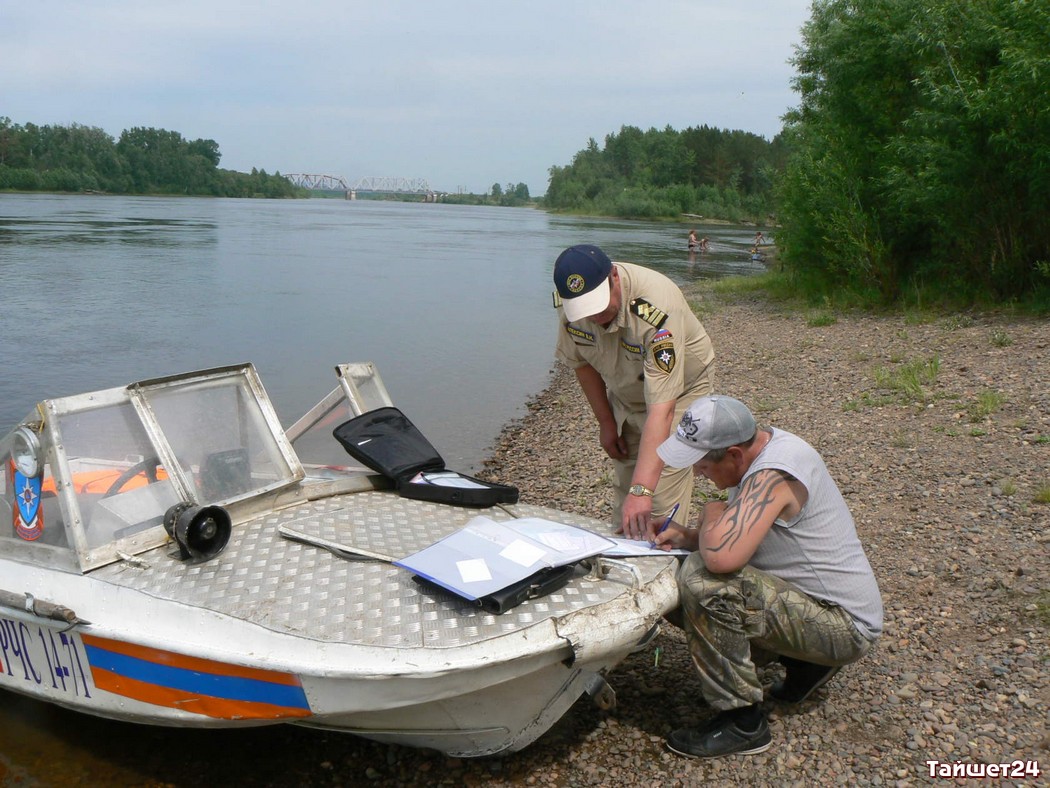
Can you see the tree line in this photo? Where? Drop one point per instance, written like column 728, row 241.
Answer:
column 916, row 167
column 919, row 164
column 79, row 158
column 710, row 172
column 512, row 195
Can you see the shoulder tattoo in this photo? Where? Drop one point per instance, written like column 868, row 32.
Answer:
column 751, row 506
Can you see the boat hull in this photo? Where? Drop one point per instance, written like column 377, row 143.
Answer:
column 433, row 672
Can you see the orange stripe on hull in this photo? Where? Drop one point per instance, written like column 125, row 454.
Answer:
column 218, row 708
column 185, row 662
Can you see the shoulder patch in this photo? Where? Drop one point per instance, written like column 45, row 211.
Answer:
column 660, row 335
column 664, row 355
column 557, row 298
column 649, row 313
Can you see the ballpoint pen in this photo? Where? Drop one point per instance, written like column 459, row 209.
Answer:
column 667, row 522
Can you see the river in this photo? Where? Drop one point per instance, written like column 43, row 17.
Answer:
column 452, row 303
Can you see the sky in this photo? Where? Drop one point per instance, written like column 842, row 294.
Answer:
column 460, row 93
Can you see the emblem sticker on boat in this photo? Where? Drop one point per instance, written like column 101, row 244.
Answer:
column 193, row 684
column 28, row 517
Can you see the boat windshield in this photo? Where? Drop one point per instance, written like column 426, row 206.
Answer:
column 117, row 460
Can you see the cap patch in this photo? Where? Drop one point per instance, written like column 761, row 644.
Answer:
column 649, row 313
column 575, row 283
column 687, row 427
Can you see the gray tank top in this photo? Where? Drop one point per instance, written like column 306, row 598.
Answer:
column 818, row 550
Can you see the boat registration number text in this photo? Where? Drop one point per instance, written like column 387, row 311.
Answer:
column 52, row 661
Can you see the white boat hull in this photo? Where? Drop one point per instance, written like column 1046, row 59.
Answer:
column 148, row 656
column 166, row 558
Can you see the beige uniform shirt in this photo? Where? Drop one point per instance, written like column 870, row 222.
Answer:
column 656, row 350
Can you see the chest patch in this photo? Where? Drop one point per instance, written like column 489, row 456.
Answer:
column 636, row 349
column 579, row 333
column 649, row 313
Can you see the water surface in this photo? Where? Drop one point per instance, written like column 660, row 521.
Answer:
column 452, row 303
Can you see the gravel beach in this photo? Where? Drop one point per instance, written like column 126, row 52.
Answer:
column 939, row 435
column 942, row 480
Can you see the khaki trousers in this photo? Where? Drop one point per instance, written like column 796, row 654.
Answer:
column 676, row 484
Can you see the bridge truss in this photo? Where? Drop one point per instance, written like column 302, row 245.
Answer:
column 372, row 183
column 328, row 183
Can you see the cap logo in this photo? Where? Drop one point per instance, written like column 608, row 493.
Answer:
column 575, row 283
column 687, row 428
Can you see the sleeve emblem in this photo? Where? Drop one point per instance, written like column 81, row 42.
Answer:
column 664, row 355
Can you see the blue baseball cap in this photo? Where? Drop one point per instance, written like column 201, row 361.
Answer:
column 581, row 274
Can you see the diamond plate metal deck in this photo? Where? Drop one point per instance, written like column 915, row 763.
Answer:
column 292, row 587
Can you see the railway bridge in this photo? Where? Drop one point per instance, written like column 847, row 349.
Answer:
column 369, row 184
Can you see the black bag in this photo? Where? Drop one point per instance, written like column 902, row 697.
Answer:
column 386, row 441
column 543, row 582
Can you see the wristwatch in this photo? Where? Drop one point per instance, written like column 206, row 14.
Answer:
column 640, row 489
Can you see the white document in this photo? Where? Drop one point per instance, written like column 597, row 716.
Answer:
column 486, row 555
column 447, row 479
column 523, row 553
column 474, row 570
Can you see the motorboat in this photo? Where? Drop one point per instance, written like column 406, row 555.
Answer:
column 171, row 555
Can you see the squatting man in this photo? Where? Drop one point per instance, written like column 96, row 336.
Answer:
column 775, row 571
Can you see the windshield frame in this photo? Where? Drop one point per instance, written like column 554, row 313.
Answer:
column 253, row 407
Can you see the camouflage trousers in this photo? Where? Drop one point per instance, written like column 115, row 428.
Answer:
column 736, row 621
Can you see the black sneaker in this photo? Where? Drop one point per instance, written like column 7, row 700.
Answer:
column 801, row 680
column 720, row 737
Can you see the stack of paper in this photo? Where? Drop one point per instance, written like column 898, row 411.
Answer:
column 486, row 556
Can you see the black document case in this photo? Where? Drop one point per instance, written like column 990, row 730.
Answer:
column 386, row 441
column 534, row 586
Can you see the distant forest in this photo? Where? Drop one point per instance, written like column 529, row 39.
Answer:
column 710, row 172
column 142, row 161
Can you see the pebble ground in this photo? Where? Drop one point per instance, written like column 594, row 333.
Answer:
column 939, row 434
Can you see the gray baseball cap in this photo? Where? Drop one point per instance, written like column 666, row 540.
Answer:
column 712, row 422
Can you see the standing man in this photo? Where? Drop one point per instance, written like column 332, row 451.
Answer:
column 777, row 569
column 640, row 356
